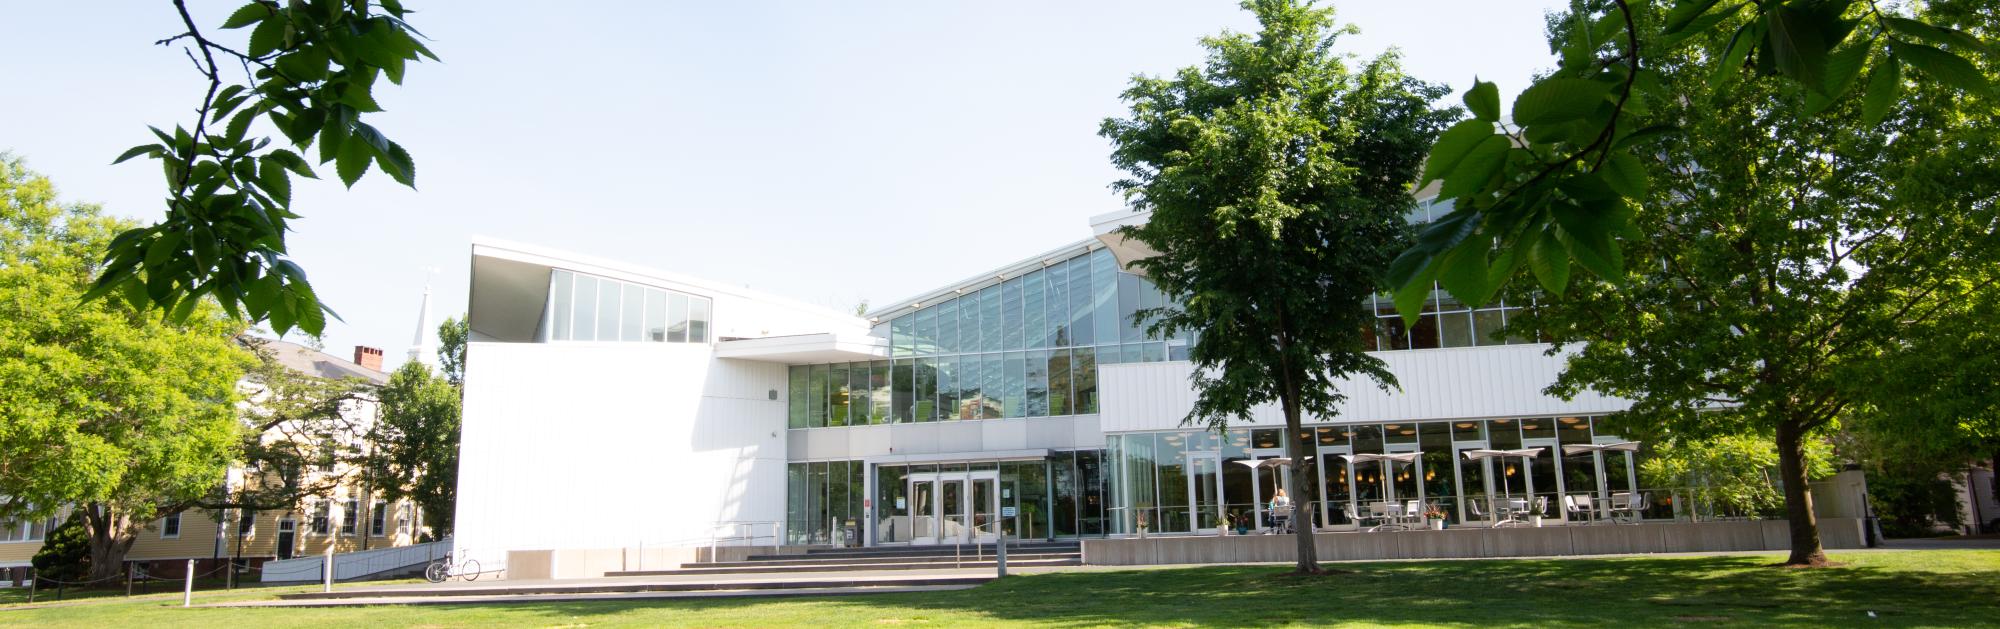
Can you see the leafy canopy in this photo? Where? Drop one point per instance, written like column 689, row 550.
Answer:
column 1278, row 179
column 1554, row 183
column 309, row 70
column 102, row 403
column 416, row 438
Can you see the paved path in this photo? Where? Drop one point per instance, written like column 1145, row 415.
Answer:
column 446, row 599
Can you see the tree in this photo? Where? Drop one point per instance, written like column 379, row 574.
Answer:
column 302, row 434
column 1790, row 254
column 65, row 555
column 1278, row 180
column 415, row 441
column 309, row 69
column 1514, row 177
column 1729, row 473
column 107, row 409
column 452, row 336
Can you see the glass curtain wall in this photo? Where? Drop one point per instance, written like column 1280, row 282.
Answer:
column 824, row 503
column 1191, row 481
column 1065, row 495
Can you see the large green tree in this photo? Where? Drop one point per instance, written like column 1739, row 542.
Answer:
column 103, row 407
column 1791, row 254
column 414, row 444
column 1585, row 123
column 1278, row 179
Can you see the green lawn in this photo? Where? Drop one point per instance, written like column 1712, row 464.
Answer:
column 1914, row 588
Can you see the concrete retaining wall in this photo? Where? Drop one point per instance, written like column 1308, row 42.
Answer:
column 1651, row 537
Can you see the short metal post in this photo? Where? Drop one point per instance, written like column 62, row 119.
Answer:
column 328, row 564
column 187, row 589
column 32, row 580
column 131, row 570
column 1000, row 553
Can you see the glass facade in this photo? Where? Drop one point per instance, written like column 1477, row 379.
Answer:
column 1197, row 481
column 1064, row 495
column 589, row 308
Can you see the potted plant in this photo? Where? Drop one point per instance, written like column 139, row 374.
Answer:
column 1435, row 515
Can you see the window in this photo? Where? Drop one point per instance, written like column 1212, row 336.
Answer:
column 321, row 517
column 25, row 530
column 795, row 399
column 170, row 526
column 588, row 308
column 246, row 522
column 350, row 512
column 378, row 520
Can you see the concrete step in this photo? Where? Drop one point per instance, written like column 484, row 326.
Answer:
column 504, row 588
column 808, row 561
column 932, row 551
column 759, row 568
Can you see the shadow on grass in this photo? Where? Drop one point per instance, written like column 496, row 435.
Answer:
column 1639, row 591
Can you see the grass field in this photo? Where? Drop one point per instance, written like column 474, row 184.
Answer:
column 1910, row 588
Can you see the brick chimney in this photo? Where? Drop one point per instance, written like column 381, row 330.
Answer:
column 368, row 357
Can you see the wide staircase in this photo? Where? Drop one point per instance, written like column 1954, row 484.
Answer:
column 944, row 557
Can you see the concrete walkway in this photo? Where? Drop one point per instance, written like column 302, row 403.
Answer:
column 448, row 599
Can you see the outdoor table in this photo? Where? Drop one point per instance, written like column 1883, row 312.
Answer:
column 1507, row 509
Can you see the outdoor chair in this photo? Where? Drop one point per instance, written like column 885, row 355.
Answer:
column 1353, row 516
column 1579, row 508
column 1384, row 515
column 1281, row 519
column 1473, row 505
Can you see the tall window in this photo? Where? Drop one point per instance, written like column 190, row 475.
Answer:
column 321, row 517
column 349, row 514
column 170, row 526
column 378, row 519
column 246, row 522
column 588, row 308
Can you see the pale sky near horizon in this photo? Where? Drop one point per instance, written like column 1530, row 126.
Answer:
column 827, row 152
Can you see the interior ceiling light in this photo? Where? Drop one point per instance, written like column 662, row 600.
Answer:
column 1465, row 425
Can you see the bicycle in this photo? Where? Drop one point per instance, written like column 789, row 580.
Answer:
column 443, row 570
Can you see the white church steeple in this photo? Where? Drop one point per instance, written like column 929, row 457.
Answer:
column 423, row 348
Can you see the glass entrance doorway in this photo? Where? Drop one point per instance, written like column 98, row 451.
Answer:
column 955, row 507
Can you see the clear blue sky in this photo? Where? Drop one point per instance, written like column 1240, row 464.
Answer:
column 830, row 152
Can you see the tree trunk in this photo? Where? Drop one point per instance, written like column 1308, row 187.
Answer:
column 1301, row 519
column 1806, row 550
column 111, row 536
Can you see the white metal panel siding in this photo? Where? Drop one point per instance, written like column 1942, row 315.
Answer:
column 1499, row 381
column 588, row 445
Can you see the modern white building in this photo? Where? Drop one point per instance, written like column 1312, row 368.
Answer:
column 612, row 406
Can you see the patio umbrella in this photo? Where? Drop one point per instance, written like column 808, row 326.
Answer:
column 1400, row 457
column 1271, row 462
column 1622, row 446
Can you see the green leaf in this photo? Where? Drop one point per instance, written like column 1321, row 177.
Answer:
column 398, row 164
column 1883, row 87
column 143, row 149
column 1936, row 34
column 1550, row 262
column 273, row 180
column 247, row 15
column 1625, row 174
column 1841, row 68
column 1641, row 136
column 266, row 38
column 1554, row 100
column 1589, row 231
column 1734, row 53
column 1797, row 44
column 304, row 65
column 1684, row 13
column 1484, row 101
column 162, row 249
column 1463, row 271
column 1700, row 25
column 292, row 162
column 1411, row 296
column 1453, row 145
column 239, row 125
column 1478, row 167
column 1943, row 66
column 353, row 161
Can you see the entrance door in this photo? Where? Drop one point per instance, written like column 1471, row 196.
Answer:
column 287, row 534
column 955, row 507
column 1335, row 488
column 1205, row 490
column 1266, row 481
